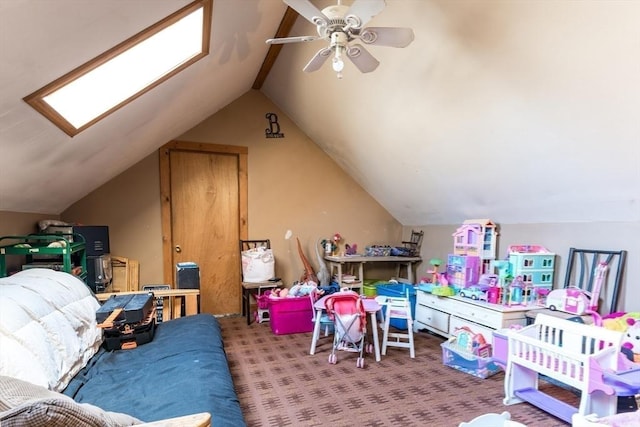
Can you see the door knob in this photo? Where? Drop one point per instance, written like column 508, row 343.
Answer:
column 178, row 248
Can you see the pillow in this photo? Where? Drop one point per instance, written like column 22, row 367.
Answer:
column 26, row 404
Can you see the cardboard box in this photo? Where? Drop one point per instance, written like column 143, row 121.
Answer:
column 126, row 274
column 291, row 315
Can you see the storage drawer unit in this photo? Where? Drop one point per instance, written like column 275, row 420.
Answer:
column 442, row 315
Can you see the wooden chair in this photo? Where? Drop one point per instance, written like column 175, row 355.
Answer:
column 255, row 289
column 414, row 244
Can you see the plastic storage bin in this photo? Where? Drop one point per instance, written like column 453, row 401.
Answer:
column 369, row 287
column 456, row 358
column 290, row 315
column 398, row 290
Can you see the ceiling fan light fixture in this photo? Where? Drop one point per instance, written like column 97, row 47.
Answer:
column 342, row 26
column 337, row 64
column 338, row 44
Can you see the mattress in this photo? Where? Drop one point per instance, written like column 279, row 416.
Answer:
column 183, row 371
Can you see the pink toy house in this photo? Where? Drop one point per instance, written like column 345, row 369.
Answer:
column 477, row 237
column 463, row 270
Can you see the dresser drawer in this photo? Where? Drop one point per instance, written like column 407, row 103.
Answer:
column 435, row 320
column 434, row 311
column 458, row 323
column 484, row 316
column 433, row 301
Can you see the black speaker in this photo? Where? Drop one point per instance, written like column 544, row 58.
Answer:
column 96, row 238
column 187, row 275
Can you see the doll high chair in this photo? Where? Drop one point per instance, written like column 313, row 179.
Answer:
column 397, row 308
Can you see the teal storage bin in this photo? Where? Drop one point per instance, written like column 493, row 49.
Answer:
column 399, row 290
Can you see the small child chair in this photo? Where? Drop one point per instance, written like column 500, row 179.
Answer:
column 397, row 308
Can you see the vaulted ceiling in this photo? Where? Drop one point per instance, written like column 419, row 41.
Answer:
column 530, row 109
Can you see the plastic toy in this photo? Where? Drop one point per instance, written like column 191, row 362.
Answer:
column 534, row 263
column 575, row 300
column 477, row 237
column 474, row 292
column 632, row 338
column 570, row 300
column 586, row 358
column 492, row 420
column 435, row 263
column 471, row 342
column 441, row 286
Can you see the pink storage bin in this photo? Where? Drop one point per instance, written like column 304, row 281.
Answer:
column 290, row 315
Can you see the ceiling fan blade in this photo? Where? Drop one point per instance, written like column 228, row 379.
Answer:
column 362, row 11
column 387, row 36
column 308, row 11
column 361, row 58
column 316, row 62
column 284, row 40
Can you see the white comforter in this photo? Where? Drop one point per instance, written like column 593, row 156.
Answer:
column 48, row 327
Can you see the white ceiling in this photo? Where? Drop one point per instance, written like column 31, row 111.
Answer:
column 521, row 111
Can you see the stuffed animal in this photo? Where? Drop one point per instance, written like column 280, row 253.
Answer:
column 632, row 338
column 302, row 289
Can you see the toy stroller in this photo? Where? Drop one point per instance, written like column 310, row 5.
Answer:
column 349, row 318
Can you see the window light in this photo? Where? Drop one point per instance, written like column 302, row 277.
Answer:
column 110, row 81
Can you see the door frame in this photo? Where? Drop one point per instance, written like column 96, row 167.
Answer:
column 165, row 194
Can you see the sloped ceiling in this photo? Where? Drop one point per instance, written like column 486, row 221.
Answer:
column 524, row 111
column 42, row 169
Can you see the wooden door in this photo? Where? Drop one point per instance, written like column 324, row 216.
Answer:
column 203, row 190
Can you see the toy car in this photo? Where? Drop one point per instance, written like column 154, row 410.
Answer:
column 474, row 292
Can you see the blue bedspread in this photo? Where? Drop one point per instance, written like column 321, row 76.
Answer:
column 182, row 371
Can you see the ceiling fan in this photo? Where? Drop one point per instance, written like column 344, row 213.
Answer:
column 341, row 26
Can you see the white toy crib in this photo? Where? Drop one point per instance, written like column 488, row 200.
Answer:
column 571, row 353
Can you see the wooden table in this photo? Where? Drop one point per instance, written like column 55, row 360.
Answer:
column 338, row 262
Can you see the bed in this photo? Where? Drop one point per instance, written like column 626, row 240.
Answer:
column 49, row 340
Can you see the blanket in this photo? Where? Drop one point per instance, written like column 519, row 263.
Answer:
column 47, row 327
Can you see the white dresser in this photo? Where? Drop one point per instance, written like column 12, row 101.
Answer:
column 442, row 315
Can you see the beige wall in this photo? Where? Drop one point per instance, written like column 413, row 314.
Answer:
column 293, row 186
column 558, row 238
column 130, row 205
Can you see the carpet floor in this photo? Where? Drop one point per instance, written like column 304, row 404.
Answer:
column 280, row 384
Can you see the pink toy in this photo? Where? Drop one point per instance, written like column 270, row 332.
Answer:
column 575, row 300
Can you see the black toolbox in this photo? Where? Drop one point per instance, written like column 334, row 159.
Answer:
column 127, row 320
column 135, row 307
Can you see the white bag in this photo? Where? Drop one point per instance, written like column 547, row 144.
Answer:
column 258, row 265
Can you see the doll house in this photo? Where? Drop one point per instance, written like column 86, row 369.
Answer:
column 534, row 263
column 477, row 237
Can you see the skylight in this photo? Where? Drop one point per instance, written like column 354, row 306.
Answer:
column 98, row 88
